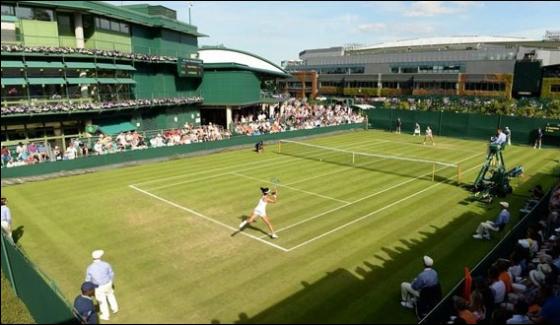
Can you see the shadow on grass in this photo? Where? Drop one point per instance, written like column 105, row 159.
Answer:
column 371, row 293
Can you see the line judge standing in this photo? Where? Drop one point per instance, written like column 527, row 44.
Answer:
column 101, row 274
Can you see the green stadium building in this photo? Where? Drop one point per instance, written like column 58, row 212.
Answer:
column 71, row 67
column 449, row 66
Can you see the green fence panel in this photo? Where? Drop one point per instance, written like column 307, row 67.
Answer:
column 463, row 125
column 453, row 124
column 44, row 302
column 137, row 155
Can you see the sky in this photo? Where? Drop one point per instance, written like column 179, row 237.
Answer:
column 279, row 30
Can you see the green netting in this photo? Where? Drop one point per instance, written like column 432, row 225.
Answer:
column 42, row 299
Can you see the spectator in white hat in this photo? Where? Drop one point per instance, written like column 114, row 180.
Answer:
column 483, row 230
column 410, row 292
column 101, row 274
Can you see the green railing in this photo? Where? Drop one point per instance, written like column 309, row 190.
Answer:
column 39, row 293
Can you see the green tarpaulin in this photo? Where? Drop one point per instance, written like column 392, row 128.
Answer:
column 117, row 128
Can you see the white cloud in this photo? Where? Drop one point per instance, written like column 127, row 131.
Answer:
column 372, row 27
column 434, row 8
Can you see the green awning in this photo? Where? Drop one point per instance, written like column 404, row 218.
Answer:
column 13, row 81
column 117, row 128
column 11, row 19
column 106, row 66
column 46, row 81
column 43, row 64
column 125, row 81
column 12, row 64
column 81, row 81
column 80, row 65
column 125, row 67
column 107, row 81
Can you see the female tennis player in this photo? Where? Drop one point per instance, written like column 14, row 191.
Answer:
column 260, row 210
column 429, row 136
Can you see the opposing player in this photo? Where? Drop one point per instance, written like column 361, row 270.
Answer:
column 416, row 130
column 260, row 210
column 429, row 136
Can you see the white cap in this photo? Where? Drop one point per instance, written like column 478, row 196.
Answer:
column 428, row 261
column 97, row 254
column 504, row 204
column 537, row 277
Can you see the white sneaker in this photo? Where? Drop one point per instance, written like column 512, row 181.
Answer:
column 477, row 236
column 487, row 237
column 407, row 304
column 104, row 318
column 274, row 236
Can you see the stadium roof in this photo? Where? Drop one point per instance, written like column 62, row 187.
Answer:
column 213, row 55
column 448, row 40
column 118, row 12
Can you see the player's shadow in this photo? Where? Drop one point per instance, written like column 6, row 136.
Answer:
column 249, row 226
column 17, row 234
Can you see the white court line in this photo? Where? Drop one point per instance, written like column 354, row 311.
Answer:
column 207, row 218
column 259, row 165
column 206, row 171
column 250, row 163
column 363, row 198
column 343, row 168
column 292, row 188
column 370, row 214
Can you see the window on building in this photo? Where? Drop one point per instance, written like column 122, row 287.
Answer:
column 43, row 14
column 8, row 10
column 395, row 70
column 125, row 29
column 14, row 92
column 24, row 13
column 115, row 26
column 409, row 70
column 65, row 24
column 555, row 88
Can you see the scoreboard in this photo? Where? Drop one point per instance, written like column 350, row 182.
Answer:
column 189, row 68
column 552, row 129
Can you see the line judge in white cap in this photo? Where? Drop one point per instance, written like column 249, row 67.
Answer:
column 483, row 230
column 410, row 292
column 101, row 275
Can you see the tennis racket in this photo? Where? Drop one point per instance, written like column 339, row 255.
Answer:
column 275, row 181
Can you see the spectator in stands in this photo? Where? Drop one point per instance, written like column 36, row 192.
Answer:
column 427, row 278
column 84, row 306
column 21, row 151
column 483, row 230
column 538, row 139
column 100, row 273
column 520, row 314
column 462, row 309
column 6, row 156
column 71, row 152
column 497, row 286
column 550, row 311
column 482, row 299
column 6, row 218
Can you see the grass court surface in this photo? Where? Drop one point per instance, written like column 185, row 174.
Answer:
column 348, row 235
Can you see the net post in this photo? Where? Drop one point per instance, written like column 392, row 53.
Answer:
column 433, row 172
column 353, row 158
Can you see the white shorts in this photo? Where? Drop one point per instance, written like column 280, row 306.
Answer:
column 259, row 213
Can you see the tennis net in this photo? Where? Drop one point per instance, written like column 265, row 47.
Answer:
column 387, row 164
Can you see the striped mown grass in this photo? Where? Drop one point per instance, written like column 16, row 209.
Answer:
column 348, row 236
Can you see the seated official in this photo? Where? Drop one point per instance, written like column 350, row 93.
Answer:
column 483, row 230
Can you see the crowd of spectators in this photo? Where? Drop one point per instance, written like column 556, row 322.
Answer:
column 525, row 287
column 72, row 50
column 93, row 106
column 38, row 152
column 533, row 107
column 295, row 115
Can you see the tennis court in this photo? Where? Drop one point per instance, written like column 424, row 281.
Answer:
column 356, row 211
